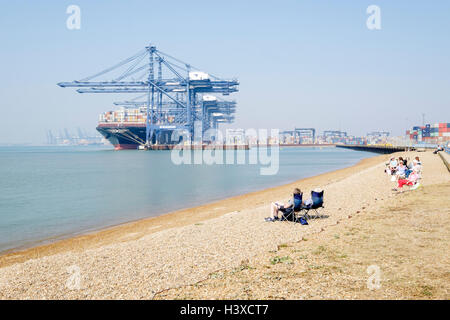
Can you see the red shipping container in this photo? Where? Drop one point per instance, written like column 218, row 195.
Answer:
column 442, row 125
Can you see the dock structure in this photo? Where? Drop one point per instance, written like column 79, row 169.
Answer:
column 374, row 148
column 299, row 136
column 445, row 156
column 176, row 97
column 199, row 147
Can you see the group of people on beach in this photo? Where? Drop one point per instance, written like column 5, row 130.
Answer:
column 401, row 170
column 404, row 172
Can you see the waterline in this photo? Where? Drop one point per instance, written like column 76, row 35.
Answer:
column 49, row 192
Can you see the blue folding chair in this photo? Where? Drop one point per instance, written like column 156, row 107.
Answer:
column 317, row 203
column 289, row 213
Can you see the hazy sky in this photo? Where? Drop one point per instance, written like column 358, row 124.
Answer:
column 300, row 63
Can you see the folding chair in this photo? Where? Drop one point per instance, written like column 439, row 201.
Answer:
column 289, row 213
column 317, row 204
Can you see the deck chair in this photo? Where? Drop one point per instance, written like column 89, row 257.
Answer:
column 289, row 213
column 317, row 204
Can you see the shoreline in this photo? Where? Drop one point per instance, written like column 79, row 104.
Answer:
column 166, row 257
column 102, row 236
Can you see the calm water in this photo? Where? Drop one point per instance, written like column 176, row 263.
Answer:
column 48, row 192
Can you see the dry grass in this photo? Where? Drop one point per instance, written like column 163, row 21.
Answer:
column 407, row 238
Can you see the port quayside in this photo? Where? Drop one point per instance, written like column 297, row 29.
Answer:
column 173, row 96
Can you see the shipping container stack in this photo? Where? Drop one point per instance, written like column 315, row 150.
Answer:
column 129, row 115
column 437, row 133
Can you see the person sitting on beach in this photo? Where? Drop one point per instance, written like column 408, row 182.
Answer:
column 408, row 170
column 401, row 171
column 438, row 149
column 405, row 162
column 411, row 164
column 411, row 181
column 393, row 165
column 417, row 165
column 418, row 162
column 276, row 207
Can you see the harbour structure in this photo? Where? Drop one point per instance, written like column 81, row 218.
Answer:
column 175, row 100
column 437, row 133
column 306, row 135
column 378, row 134
column 80, row 138
column 334, row 133
column 377, row 137
column 374, row 148
column 298, row 136
column 334, row 136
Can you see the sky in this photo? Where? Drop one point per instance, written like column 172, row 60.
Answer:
column 300, row 63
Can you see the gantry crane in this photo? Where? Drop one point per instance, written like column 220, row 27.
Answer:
column 173, row 89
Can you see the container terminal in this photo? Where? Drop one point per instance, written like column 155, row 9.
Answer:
column 438, row 133
column 81, row 138
column 177, row 102
column 174, row 97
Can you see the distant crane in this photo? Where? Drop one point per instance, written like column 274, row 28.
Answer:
column 334, row 133
column 308, row 132
column 378, row 134
column 50, row 138
column 80, row 133
column 67, row 135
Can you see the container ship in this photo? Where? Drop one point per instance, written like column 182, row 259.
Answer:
column 124, row 128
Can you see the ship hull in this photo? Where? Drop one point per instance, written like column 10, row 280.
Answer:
column 131, row 135
column 123, row 137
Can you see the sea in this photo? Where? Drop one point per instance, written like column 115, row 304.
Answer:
column 53, row 192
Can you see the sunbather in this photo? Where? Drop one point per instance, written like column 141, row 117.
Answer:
column 276, row 207
column 393, row 163
column 418, row 161
column 417, row 166
column 411, row 181
column 401, row 171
